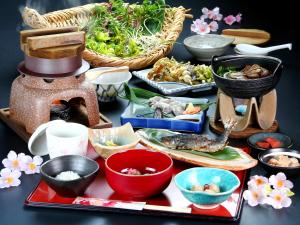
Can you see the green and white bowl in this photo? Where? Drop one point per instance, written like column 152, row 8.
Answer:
column 109, row 85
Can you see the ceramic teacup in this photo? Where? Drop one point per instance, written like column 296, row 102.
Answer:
column 67, row 139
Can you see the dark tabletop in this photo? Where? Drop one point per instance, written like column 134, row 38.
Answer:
column 277, row 18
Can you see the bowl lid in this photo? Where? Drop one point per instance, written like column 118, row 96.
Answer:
column 37, row 143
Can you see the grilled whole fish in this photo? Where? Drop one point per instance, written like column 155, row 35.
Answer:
column 203, row 143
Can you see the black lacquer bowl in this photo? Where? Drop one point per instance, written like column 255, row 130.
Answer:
column 85, row 167
column 264, row 157
column 247, row 88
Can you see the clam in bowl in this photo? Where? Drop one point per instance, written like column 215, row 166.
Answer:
column 112, row 140
column 204, row 47
column 224, row 181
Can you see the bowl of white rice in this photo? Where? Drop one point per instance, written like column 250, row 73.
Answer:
column 69, row 175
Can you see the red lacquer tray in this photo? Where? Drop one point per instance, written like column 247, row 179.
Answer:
column 170, row 203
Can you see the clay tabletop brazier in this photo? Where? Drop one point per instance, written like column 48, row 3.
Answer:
column 45, row 80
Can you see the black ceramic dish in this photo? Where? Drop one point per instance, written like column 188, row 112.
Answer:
column 264, row 157
column 85, row 167
column 247, row 88
column 284, row 139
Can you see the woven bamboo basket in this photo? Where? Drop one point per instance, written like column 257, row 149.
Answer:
column 79, row 16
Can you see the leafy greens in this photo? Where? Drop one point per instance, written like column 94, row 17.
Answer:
column 117, row 29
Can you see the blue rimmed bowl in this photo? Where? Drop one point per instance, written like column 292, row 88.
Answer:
column 227, row 181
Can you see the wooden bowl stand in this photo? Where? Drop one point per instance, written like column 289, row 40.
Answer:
column 259, row 117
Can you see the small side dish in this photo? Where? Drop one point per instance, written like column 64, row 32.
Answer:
column 284, row 161
column 111, row 140
column 267, row 140
column 281, row 160
column 206, row 187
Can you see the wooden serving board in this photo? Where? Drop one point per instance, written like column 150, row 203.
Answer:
column 218, row 128
column 247, row 36
column 20, row 130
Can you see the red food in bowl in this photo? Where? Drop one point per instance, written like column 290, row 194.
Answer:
column 268, row 143
column 139, row 186
column 263, row 144
column 273, row 142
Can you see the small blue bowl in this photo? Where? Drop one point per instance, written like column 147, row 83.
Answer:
column 227, row 181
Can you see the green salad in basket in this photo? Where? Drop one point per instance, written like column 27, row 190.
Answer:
column 125, row 30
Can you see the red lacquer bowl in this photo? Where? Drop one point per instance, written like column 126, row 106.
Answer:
column 139, row 186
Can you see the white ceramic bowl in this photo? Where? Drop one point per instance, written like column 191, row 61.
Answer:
column 109, row 85
column 204, row 47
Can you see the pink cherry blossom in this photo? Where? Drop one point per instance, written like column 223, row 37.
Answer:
column 215, row 14
column 279, row 181
column 278, row 199
column 9, row 178
column 32, row 165
column 255, row 196
column 230, row 19
column 213, row 25
column 14, row 161
column 238, row 17
column 211, row 14
column 204, row 13
column 200, row 27
column 257, row 181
